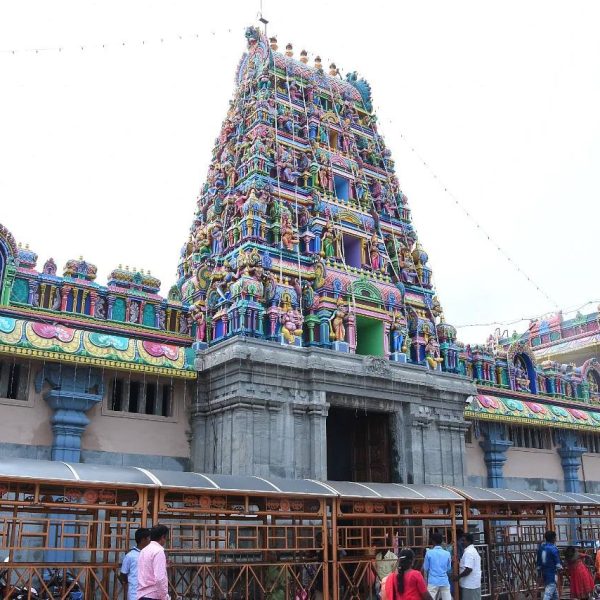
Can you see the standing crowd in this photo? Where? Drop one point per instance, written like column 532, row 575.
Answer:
column 435, row 582
column 551, row 569
column 144, row 570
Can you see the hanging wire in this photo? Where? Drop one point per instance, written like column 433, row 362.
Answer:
column 530, row 318
column 478, row 226
column 82, row 47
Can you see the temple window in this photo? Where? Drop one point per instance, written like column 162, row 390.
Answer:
column 352, row 250
column 140, row 396
column 173, row 320
column 47, row 296
column 14, row 379
column 591, row 441
column 530, row 437
column 469, row 434
column 325, row 103
column 342, row 187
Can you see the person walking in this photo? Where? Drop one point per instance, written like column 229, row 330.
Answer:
column 406, row 583
column 548, row 564
column 129, row 569
column 436, row 566
column 469, row 571
column 153, row 582
column 581, row 582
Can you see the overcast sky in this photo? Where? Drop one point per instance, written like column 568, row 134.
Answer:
column 103, row 150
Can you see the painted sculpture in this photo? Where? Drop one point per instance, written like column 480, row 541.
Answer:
column 301, row 179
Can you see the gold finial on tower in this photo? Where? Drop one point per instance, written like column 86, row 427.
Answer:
column 304, row 56
column 273, row 43
column 333, row 70
column 289, row 51
column 318, row 64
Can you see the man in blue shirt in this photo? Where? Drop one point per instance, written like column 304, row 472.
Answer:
column 548, row 563
column 436, row 566
column 128, row 574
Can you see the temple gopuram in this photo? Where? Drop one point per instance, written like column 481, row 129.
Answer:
column 303, row 337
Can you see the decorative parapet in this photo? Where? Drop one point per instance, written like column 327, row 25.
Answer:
column 55, row 342
column 496, row 408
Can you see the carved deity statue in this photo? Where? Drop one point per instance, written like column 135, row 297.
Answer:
column 399, row 333
column 291, row 320
column 288, row 235
column 329, row 241
column 432, row 353
column 375, row 259
column 338, row 324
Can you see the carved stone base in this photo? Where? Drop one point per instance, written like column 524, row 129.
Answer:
column 297, row 341
column 398, row 357
column 340, row 346
column 262, row 407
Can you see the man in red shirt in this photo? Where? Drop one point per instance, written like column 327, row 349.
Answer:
column 153, row 583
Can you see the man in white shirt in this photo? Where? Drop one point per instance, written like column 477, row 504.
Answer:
column 469, row 572
column 128, row 574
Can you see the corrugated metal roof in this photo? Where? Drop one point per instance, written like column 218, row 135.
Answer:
column 47, row 470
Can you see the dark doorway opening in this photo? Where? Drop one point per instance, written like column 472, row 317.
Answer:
column 358, row 446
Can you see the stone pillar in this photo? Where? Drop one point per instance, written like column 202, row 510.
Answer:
column 32, row 290
column 386, row 339
column 495, row 446
column 351, row 332
column 93, row 300
column 570, row 453
column 64, row 297
column 110, row 301
column 324, row 316
column 73, row 391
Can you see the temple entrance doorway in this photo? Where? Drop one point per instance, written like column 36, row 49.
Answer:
column 358, row 445
column 369, row 336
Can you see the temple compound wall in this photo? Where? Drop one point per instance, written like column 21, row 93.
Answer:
column 263, row 410
column 114, row 437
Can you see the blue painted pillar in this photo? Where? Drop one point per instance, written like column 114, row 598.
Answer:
column 494, row 447
column 73, row 391
column 324, row 316
column 570, row 453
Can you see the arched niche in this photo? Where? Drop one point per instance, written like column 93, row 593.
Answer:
column 524, row 373
column 8, row 252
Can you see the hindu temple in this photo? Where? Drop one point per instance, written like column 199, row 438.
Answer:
column 303, row 337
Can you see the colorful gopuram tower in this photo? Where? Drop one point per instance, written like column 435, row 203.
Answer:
column 302, row 238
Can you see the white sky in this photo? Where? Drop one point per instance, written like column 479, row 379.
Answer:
column 103, row 150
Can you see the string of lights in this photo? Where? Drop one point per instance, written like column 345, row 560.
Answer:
column 114, row 44
column 565, row 311
column 478, row 226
